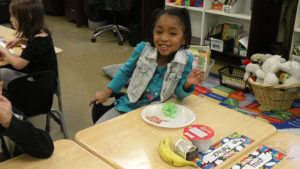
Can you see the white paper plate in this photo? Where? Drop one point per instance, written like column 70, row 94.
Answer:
column 183, row 117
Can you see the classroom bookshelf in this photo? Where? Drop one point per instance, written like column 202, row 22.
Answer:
column 296, row 34
column 259, row 20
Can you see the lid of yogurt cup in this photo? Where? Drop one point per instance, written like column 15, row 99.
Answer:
column 198, row 132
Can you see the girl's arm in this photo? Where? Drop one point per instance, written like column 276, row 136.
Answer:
column 124, row 74
column 30, row 140
column 121, row 78
column 17, row 62
column 12, row 43
column 194, row 77
column 102, row 96
column 184, row 88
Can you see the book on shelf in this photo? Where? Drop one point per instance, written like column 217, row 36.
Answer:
column 201, row 57
column 229, row 31
column 193, row 3
column 216, row 29
column 225, row 37
column 236, row 48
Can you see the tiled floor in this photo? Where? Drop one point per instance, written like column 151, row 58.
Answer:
column 80, row 71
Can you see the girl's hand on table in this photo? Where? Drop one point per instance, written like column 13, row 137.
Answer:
column 100, row 97
column 12, row 43
column 3, row 52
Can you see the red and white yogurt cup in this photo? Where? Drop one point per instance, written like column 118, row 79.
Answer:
column 200, row 136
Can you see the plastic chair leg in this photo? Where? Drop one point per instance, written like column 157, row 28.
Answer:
column 4, row 148
column 58, row 94
column 119, row 33
column 123, row 28
column 105, row 29
column 48, row 122
column 61, row 122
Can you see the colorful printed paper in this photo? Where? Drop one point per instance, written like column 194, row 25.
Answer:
column 263, row 158
column 222, row 150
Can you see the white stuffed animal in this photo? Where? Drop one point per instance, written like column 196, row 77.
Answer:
column 252, row 70
column 293, row 69
column 271, row 66
column 260, row 58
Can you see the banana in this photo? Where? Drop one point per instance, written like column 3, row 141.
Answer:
column 170, row 156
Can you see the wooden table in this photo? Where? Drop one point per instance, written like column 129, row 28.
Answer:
column 67, row 155
column 8, row 34
column 286, row 143
column 128, row 141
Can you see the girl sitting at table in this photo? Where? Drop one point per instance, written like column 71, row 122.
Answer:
column 157, row 68
column 18, row 135
column 27, row 17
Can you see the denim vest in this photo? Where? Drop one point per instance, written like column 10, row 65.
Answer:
column 145, row 68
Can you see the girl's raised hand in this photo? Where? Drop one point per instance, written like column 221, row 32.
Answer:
column 195, row 77
column 100, row 97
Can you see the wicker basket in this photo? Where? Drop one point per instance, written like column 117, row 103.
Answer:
column 274, row 97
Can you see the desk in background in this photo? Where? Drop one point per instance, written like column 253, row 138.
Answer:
column 8, row 34
column 128, row 141
column 67, row 155
column 54, row 7
column 74, row 10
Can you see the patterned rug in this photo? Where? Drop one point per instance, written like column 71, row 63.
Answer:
column 246, row 103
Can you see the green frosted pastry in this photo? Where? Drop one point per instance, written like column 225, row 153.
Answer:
column 169, row 109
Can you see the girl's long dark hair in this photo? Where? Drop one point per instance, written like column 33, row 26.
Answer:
column 184, row 18
column 30, row 15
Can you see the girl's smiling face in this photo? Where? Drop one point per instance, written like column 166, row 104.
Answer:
column 168, row 34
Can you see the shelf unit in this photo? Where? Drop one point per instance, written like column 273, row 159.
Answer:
column 203, row 18
column 296, row 34
column 243, row 16
column 187, row 7
column 263, row 16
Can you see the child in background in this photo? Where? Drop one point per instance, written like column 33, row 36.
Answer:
column 157, row 68
column 19, row 135
column 27, row 17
